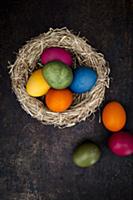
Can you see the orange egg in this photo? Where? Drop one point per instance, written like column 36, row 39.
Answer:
column 59, row 100
column 114, row 116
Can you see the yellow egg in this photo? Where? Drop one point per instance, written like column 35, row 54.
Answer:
column 36, row 85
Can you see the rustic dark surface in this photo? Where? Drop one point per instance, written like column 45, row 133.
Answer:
column 35, row 160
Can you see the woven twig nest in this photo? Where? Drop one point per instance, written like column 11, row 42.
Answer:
column 84, row 104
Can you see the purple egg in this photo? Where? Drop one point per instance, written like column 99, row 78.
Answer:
column 56, row 54
column 121, row 143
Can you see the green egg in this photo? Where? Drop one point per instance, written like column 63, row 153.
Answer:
column 57, row 74
column 86, row 154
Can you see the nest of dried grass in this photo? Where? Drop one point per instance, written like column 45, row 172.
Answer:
column 84, row 104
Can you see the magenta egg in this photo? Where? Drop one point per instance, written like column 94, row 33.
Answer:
column 121, row 143
column 56, row 54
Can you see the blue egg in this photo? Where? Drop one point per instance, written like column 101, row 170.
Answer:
column 84, row 78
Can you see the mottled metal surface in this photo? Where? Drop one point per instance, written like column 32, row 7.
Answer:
column 35, row 160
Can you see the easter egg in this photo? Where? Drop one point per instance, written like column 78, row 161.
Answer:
column 56, row 54
column 37, row 85
column 84, row 78
column 58, row 100
column 114, row 116
column 57, row 74
column 121, row 143
column 86, row 154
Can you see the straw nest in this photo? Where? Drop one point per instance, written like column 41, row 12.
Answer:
column 84, row 105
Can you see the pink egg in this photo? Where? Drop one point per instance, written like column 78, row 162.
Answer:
column 121, row 143
column 56, row 54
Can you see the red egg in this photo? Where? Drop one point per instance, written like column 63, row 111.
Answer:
column 121, row 143
column 56, row 54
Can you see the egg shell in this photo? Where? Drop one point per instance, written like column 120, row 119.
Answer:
column 58, row 100
column 57, row 74
column 37, row 86
column 121, row 143
column 114, row 116
column 56, row 54
column 86, row 154
column 84, row 79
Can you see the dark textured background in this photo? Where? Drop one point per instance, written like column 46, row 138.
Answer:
column 35, row 160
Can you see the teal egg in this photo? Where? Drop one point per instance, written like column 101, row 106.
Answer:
column 84, row 79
